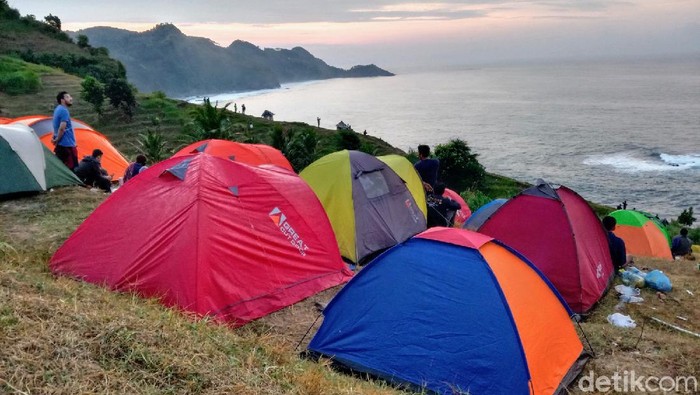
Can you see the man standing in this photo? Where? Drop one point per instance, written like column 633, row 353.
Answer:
column 681, row 245
column 63, row 135
column 427, row 168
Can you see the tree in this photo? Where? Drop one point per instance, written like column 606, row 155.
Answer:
column 459, row 168
column 208, row 117
column 83, row 41
column 686, row 217
column 94, row 93
column 121, row 95
column 153, row 145
column 301, row 149
column 53, row 21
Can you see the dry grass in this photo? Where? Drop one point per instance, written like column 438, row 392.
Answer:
column 60, row 336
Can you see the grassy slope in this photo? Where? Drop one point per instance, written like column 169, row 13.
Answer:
column 61, row 336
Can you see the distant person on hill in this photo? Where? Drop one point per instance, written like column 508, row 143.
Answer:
column 618, row 252
column 243, row 109
column 624, row 205
column 441, row 209
column 318, row 121
column 90, row 171
column 681, row 245
column 235, row 108
column 135, row 168
column 63, row 135
column 427, row 168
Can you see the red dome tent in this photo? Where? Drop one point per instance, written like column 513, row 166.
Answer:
column 211, row 236
column 561, row 235
column 251, row 154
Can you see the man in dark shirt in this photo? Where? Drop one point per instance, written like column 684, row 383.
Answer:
column 681, row 245
column 427, row 167
column 616, row 244
column 90, row 171
column 441, row 209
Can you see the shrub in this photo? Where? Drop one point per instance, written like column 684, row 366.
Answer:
column 475, row 198
column 153, row 145
column 459, row 168
column 347, row 139
column 20, row 82
column 686, row 217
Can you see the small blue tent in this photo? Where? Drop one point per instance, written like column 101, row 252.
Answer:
column 480, row 216
column 453, row 311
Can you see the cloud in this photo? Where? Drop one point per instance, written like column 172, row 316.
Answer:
column 287, row 11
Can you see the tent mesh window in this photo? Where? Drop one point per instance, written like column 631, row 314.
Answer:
column 373, row 184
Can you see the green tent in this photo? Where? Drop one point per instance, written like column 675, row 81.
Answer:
column 27, row 165
column 21, row 160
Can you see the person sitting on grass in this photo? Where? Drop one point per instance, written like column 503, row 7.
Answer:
column 441, row 209
column 618, row 252
column 90, row 171
column 681, row 245
column 135, row 168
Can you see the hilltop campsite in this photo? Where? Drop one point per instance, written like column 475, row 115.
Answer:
column 254, row 256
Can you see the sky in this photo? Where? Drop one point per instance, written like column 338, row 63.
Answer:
column 396, row 33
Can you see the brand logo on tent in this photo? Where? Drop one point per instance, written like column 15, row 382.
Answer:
column 599, row 270
column 410, row 208
column 280, row 221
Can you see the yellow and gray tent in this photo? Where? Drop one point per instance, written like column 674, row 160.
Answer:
column 410, row 177
column 368, row 204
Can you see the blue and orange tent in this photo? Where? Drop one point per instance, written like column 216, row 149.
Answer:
column 453, row 311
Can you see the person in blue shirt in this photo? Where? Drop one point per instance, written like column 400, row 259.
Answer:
column 427, row 168
column 135, row 168
column 681, row 245
column 618, row 252
column 63, row 135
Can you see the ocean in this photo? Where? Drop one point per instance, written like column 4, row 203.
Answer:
column 612, row 131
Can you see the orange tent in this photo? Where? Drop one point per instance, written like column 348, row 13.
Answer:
column 642, row 236
column 87, row 140
column 251, row 154
column 4, row 120
column 43, row 124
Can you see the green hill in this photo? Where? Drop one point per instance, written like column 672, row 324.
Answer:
column 165, row 59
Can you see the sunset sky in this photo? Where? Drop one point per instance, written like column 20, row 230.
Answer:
column 409, row 33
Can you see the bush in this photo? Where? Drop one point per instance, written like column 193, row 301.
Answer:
column 686, row 217
column 459, row 168
column 475, row 199
column 20, row 82
column 347, row 139
column 153, row 145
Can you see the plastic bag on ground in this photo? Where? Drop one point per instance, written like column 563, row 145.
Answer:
column 621, row 320
column 656, row 279
column 628, row 294
column 632, row 279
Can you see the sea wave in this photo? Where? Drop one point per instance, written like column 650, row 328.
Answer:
column 628, row 162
